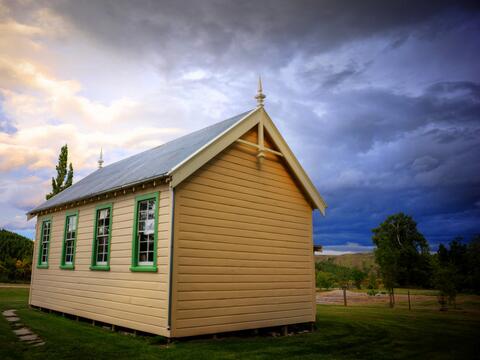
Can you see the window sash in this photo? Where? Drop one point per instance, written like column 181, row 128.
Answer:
column 102, row 236
column 44, row 241
column 145, row 235
column 69, row 241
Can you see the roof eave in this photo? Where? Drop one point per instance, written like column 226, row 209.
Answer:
column 31, row 214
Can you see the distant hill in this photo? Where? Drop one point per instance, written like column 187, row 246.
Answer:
column 359, row 260
column 13, row 245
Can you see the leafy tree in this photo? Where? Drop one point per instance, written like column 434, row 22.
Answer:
column 372, row 285
column 330, row 274
column 402, row 253
column 13, row 245
column 64, row 178
column 16, row 254
column 456, row 257
column 325, row 280
column 464, row 260
column 473, row 260
column 445, row 280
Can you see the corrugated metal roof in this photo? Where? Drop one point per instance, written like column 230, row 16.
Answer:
column 150, row 164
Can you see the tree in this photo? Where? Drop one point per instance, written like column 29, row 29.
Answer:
column 325, row 280
column 15, row 256
column 358, row 277
column 64, row 179
column 372, row 284
column 455, row 257
column 402, row 253
column 445, row 280
column 474, row 264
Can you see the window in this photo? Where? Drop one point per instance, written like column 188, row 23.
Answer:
column 144, row 247
column 70, row 235
column 44, row 244
column 101, row 238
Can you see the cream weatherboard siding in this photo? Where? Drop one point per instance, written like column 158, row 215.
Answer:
column 243, row 246
column 135, row 300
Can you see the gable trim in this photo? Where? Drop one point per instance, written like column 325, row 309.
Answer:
column 294, row 164
column 195, row 161
column 191, row 164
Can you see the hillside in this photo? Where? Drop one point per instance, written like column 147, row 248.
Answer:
column 359, row 260
column 13, row 245
column 15, row 257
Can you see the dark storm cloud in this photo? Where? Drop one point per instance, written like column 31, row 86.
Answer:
column 377, row 152
column 244, row 33
column 380, row 100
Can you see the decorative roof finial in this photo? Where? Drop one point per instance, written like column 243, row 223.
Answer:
column 260, row 95
column 100, row 160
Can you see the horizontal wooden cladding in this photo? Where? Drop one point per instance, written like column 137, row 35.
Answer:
column 105, row 289
column 232, row 319
column 236, row 213
column 248, row 153
column 243, row 247
column 242, row 270
column 239, row 302
column 246, row 180
column 251, row 194
column 240, row 247
column 205, row 194
column 109, row 318
column 82, row 278
column 95, row 307
column 236, row 263
column 252, row 136
column 107, row 301
column 244, row 310
column 207, row 228
column 244, row 325
column 204, row 286
column 236, row 255
column 190, row 298
column 236, row 239
column 138, row 300
column 256, row 227
column 240, row 278
column 238, row 163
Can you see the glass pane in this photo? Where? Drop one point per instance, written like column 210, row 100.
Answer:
column 149, row 226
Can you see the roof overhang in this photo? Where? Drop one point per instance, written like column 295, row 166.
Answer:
column 207, row 152
column 194, row 162
column 103, row 194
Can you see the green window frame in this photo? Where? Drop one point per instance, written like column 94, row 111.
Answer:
column 144, row 252
column 69, row 240
column 102, row 236
column 44, row 243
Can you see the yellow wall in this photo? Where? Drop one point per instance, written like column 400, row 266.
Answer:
column 119, row 296
column 243, row 247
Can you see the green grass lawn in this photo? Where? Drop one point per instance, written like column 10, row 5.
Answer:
column 366, row 332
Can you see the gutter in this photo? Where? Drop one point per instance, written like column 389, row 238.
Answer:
column 165, row 176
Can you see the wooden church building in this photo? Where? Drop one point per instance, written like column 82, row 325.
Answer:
column 208, row 233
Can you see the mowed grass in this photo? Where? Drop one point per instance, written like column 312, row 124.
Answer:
column 366, row 332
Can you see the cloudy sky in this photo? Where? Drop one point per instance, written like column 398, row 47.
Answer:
column 380, row 100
